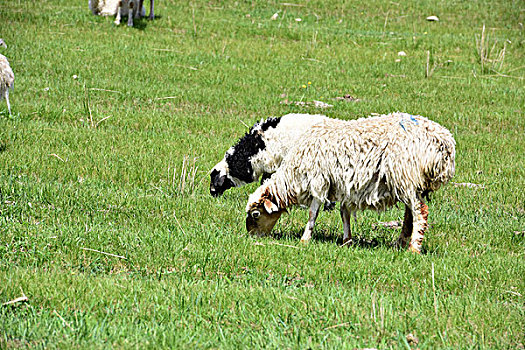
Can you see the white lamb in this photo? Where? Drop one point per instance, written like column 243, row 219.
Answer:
column 369, row 163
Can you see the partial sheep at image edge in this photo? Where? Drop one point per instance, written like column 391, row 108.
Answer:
column 7, row 77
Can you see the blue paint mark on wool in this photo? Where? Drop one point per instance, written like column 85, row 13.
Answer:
column 412, row 118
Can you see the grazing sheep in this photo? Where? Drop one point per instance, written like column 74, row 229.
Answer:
column 260, row 151
column 130, row 8
column 7, row 78
column 369, row 163
column 104, row 7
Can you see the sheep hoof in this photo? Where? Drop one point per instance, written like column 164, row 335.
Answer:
column 305, row 241
column 401, row 243
column 414, row 250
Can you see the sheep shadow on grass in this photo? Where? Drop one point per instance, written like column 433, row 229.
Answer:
column 366, row 241
column 367, row 238
column 139, row 23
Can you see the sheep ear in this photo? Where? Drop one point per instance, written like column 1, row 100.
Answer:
column 270, row 207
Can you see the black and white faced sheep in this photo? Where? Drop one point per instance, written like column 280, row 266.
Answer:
column 260, row 151
column 369, row 163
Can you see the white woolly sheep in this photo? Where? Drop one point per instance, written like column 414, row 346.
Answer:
column 104, row 7
column 369, row 163
column 7, row 77
column 119, row 8
column 260, row 151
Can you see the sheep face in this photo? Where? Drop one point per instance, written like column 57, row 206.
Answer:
column 262, row 214
column 219, row 182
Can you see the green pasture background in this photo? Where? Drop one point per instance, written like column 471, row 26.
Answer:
column 114, row 131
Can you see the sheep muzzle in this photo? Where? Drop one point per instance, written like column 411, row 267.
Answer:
column 219, row 183
column 262, row 223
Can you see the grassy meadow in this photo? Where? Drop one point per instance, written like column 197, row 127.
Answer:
column 114, row 131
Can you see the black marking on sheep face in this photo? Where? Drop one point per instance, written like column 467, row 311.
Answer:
column 238, row 159
column 219, row 183
column 269, row 123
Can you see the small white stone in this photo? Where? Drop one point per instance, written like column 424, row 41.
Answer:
column 398, row 60
column 321, row 104
column 274, row 17
column 75, row 76
column 46, row 89
column 298, row 20
column 402, row 53
column 433, row 19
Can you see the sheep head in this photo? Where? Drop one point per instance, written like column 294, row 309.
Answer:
column 262, row 212
column 219, row 180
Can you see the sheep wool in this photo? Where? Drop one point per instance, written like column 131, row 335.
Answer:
column 7, row 78
column 260, row 151
column 104, row 7
column 369, row 163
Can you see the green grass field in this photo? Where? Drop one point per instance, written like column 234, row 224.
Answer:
column 114, row 130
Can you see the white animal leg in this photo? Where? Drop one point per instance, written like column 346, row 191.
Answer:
column 7, row 100
column 419, row 222
column 314, row 211
column 345, row 216
column 131, row 12
column 119, row 8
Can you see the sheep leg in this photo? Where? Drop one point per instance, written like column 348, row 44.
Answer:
column 117, row 18
column 7, row 100
column 406, row 230
column 419, row 226
column 130, row 13
column 314, row 211
column 151, row 14
column 345, row 216
column 137, row 9
column 141, row 6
